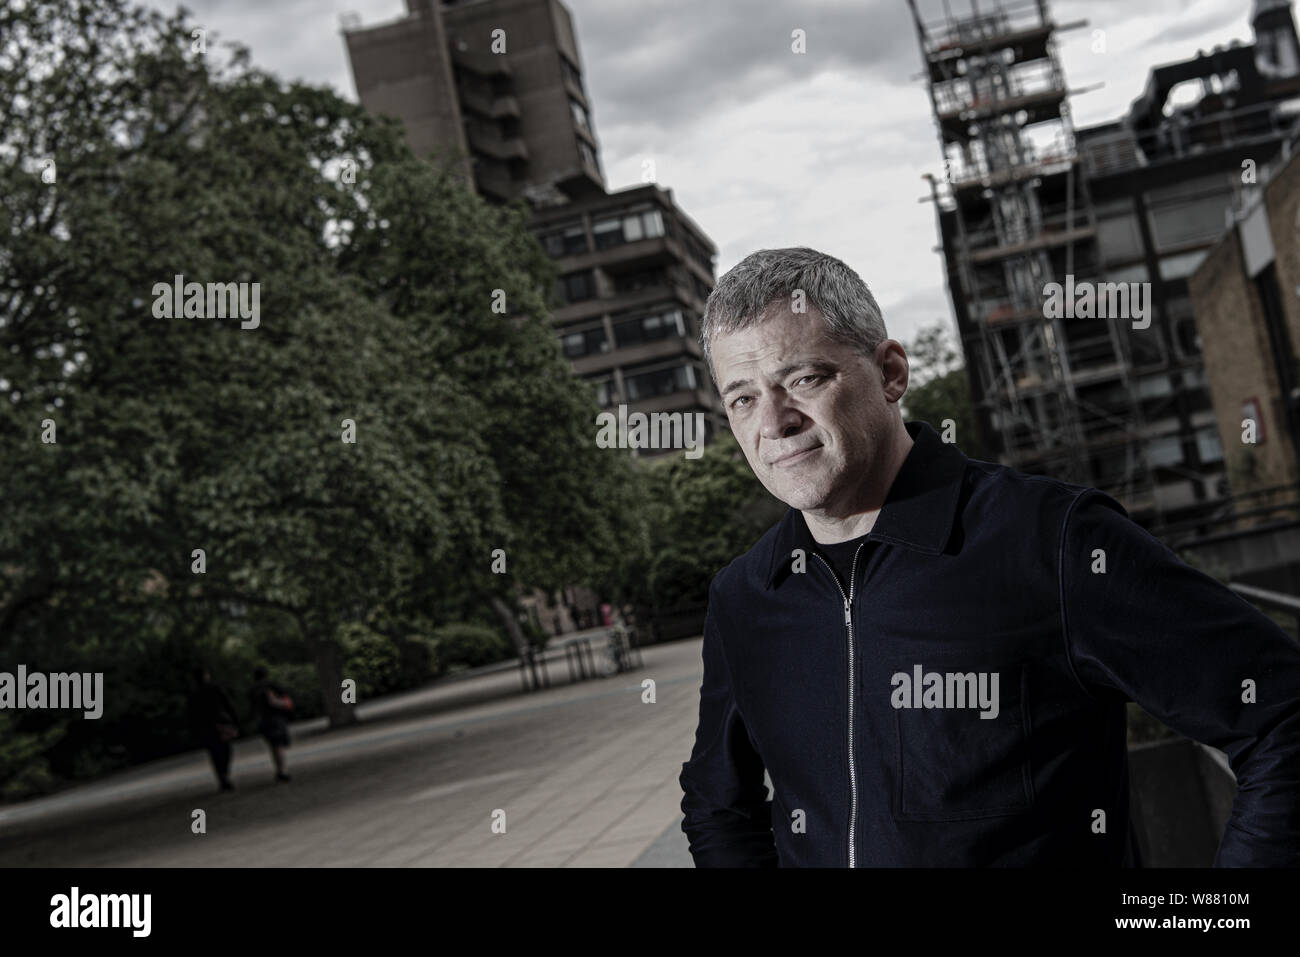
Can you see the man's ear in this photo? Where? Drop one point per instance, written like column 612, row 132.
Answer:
column 892, row 349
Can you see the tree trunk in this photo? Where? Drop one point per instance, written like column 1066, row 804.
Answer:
column 512, row 625
column 330, row 671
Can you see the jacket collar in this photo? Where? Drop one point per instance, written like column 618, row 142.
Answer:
column 918, row 511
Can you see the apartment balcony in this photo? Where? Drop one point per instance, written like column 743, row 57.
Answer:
column 641, row 352
column 496, row 147
column 699, row 399
column 630, row 300
column 484, row 64
column 624, row 257
column 491, row 107
column 640, row 254
column 493, row 179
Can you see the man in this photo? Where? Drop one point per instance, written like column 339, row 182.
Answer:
column 931, row 655
column 214, row 722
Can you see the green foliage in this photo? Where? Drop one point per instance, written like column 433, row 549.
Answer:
column 300, row 682
column 1243, row 468
column 470, row 645
column 24, row 770
column 372, row 660
column 536, row 635
column 376, row 293
column 700, row 515
column 381, row 664
column 938, row 389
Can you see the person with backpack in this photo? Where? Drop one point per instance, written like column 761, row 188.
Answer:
column 272, row 708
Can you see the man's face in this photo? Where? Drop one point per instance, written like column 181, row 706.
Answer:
column 813, row 416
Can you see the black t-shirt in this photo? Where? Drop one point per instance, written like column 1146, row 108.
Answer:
column 840, row 556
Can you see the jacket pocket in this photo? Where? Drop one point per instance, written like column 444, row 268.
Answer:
column 955, row 765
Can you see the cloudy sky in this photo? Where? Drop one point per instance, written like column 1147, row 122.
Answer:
column 763, row 147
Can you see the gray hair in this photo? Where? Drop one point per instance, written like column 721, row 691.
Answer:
column 742, row 297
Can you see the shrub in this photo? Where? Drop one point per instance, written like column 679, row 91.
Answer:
column 471, row 645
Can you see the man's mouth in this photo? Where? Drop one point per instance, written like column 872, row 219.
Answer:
column 794, row 458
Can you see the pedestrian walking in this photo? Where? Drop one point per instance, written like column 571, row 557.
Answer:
column 214, row 722
column 272, row 708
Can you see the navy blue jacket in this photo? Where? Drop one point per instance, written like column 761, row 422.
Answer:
column 974, row 570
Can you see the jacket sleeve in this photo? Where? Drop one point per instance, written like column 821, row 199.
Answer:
column 1196, row 655
column 727, row 816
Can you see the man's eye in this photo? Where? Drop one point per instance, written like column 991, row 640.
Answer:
column 809, row 376
column 736, row 402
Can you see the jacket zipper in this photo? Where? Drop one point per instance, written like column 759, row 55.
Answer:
column 848, row 626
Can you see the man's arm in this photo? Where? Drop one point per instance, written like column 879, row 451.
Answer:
column 1193, row 653
column 728, row 818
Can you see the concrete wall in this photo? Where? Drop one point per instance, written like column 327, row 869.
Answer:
column 403, row 69
column 1180, row 797
column 536, row 32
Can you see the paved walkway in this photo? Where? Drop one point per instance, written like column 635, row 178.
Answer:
column 586, row 775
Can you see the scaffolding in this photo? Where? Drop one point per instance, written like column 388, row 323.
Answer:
column 1015, row 214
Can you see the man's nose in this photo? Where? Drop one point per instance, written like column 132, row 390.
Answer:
column 780, row 418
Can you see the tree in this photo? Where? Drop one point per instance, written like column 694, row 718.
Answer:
column 701, row 514
column 938, row 389
column 355, row 450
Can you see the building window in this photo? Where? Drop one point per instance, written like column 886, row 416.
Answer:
column 584, row 342
column 627, row 227
column 607, row 233
column 571, row 72
column 1136, row 273
column 1119, row 238
column 1182, row 265
column 580, row 115
column 1154, row 386
column 1190, row 221
column 647, row 385
column 1166, row 450
column 604, row 393
column 565, row 240
column 1187, row 339
column 659, row 325
column 1208, row 446
column 587, row 153
column 577, row 286
column 645, row 279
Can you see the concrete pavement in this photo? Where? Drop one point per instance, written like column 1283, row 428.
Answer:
column 579, row 774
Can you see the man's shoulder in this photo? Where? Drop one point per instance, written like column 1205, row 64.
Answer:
column 751, row 568
column 1015, row 495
